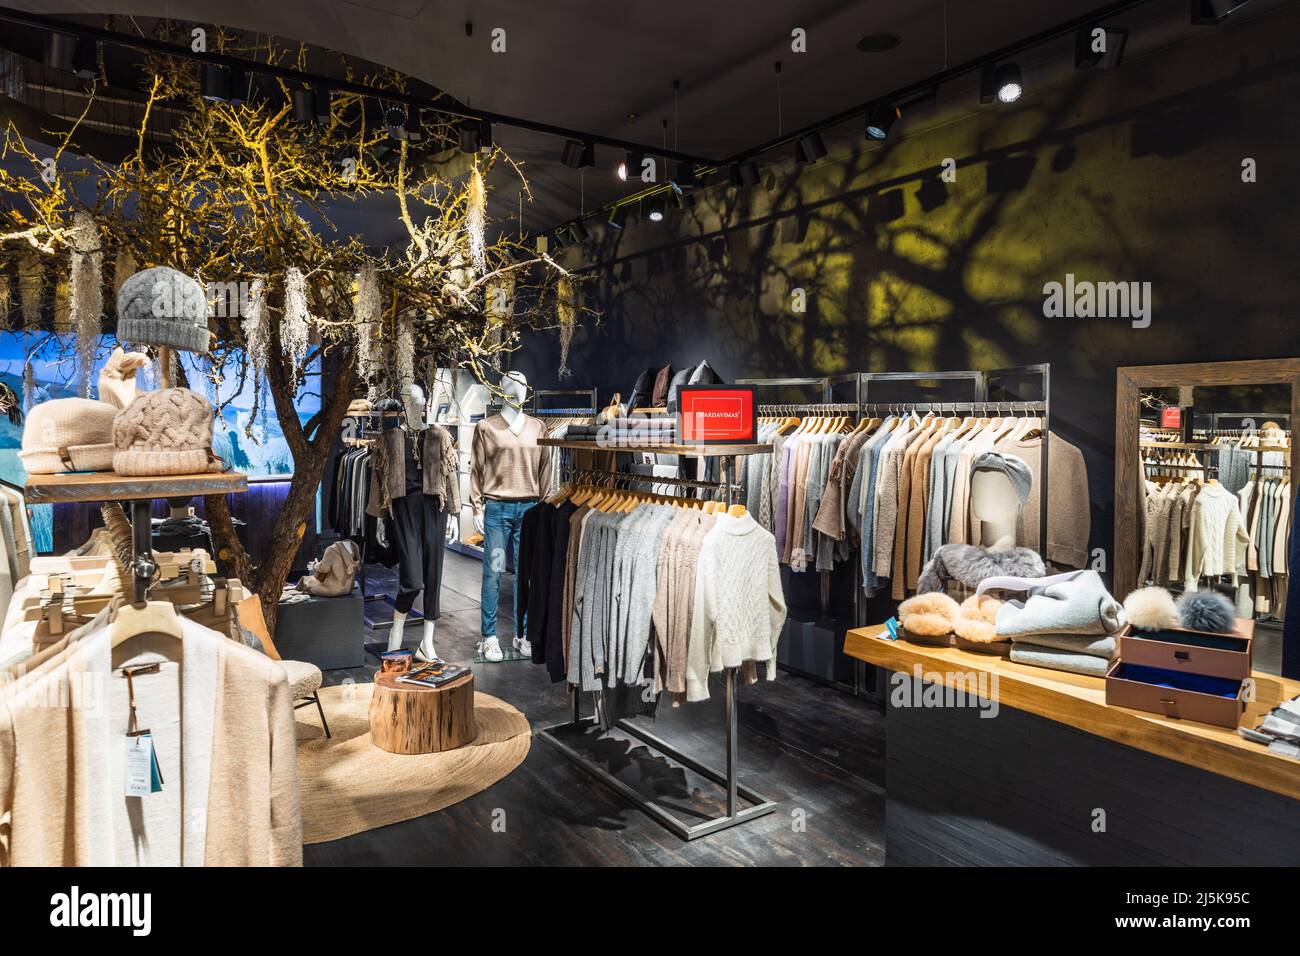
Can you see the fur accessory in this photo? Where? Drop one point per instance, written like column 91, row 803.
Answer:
column 928, row 615
column 1207, row 611
column 968, row 564
column 977, row 619
column 1151, row 609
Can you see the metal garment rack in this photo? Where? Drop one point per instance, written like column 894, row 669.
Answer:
column 759, row 805
column 827, row 384
column 981, row 380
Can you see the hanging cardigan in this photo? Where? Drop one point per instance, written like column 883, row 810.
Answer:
column 235, row 795
column 388, row 471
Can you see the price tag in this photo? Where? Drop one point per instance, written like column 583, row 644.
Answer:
column 141, row 765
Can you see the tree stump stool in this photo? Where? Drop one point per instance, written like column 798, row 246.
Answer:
column 410, row 719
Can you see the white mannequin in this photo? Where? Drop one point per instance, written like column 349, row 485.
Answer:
column 413, row 420
column 514, row 390
column 993, row 503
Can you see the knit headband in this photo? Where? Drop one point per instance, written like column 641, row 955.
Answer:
column 1014, row 468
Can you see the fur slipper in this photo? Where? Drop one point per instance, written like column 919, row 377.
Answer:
column 1151, row 609
column 928, row 615
column 977, row 619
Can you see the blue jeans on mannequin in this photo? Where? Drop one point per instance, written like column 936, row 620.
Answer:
column 501, row 523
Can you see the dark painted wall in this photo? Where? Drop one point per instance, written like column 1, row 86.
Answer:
column 1131, row 175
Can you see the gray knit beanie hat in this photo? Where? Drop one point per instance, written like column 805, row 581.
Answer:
column 1014, row 468
column 161, row 306
column 165, row 433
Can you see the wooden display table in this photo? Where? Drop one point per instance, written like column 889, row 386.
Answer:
column 411, row 719
column 1038, row 770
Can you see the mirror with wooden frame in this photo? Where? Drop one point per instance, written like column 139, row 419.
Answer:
column 1181, row 427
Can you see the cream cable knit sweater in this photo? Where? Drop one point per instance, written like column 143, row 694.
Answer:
column 1216, row 540
column 739, row 606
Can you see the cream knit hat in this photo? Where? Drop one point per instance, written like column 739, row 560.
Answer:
column 68, row 434
column 165, row 433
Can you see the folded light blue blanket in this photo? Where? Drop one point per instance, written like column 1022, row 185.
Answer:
column 1106, row 647
column 1038, row 656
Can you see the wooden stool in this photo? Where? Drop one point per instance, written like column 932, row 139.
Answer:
column 410, row 719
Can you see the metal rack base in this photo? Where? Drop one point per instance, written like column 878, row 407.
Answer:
column 760, row 805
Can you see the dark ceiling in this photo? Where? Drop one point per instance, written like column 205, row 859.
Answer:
column 608, row 68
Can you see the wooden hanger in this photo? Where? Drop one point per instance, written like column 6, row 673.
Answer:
column 152, row 617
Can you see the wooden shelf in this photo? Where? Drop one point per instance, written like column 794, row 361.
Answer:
column 1080, row 701
column 710, row 451
column 109, row 486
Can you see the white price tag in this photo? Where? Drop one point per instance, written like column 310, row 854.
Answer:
column 139, row 766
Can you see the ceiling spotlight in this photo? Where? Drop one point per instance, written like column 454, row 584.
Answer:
column 559, row 238
column 222, row 83
column 743, row 174
column 395, row 120
column 577, row 154
column 1001, row 82
column 810, row 148
column 311, row 106
column 1099, row 48
column 622, row 170
column 1213, row 11
column 618, row 217
column 880, row 119
column 578, row 233
column 655, row 209
column 684, row 174
column 474, row 135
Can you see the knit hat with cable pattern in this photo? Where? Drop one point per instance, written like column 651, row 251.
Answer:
column 168, row 432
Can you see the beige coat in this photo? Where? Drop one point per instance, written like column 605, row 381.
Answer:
column 223, row 718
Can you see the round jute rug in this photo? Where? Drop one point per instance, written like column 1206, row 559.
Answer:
column 349, row 785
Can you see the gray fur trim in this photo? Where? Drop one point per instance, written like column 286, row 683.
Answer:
column 1207, row 611
column 969, row 565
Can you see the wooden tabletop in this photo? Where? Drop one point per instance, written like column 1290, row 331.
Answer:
column 1080, row 701
column 390, row 681
column 708, row 451
column 110, row 486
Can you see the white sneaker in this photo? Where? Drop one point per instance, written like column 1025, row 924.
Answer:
column 491, row 649
column 523, row 646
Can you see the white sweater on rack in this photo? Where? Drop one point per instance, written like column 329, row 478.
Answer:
column 1216, row 537
column 739, row 607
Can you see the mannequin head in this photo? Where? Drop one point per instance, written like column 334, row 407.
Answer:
column 999, row 486
column 413, row 407
column 514, row 388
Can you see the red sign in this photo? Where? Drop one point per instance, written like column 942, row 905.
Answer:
column 716, row 415
column 1171, row 417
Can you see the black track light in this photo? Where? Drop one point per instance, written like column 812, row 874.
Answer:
column 1099, row 48
column 1000, row 82
column 684, row 174
column 880, row 119
column 577, row 154
column 655, row 208
column 810, row 148
column 618, row 217
column 1213, row 11
column 311, row 106
column 71, row 55
column 743, row 174
column 558, row 239
column 223, row 83
column 61, row 51
column 474, row 135
column 578, row 233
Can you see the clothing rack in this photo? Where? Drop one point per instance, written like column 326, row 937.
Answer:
column 826, row 385
column 980, row 402
column 621, row 479
column 735, row 814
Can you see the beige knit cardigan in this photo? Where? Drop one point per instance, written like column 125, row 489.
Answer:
column 57, row 804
